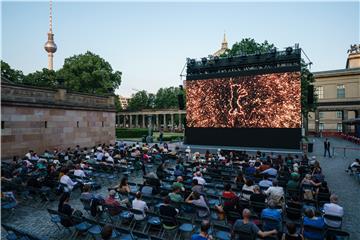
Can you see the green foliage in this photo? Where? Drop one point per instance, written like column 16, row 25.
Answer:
column 117, row 104
column 131, row 132
column 167, row 98
column 44, row 78
column 10, row 74
column 248, row 46
column 307, row 78
column 140, row 100
column 89, row 73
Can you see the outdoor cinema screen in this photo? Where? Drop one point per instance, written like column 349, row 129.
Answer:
column 270, row 100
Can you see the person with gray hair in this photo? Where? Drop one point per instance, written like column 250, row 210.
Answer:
column 275, row 193
column 333, row 209
column 245, row 225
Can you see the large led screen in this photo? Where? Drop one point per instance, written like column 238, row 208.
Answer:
column 259, row 101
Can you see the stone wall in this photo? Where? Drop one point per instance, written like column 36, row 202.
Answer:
column 40, row 119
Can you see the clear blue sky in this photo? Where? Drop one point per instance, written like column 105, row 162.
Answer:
column 149, row 42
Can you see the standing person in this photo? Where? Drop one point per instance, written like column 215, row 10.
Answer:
column 327, row 147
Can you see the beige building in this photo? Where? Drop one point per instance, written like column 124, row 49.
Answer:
column 338, row 93
column 124, row 102
column 43, row 119
column 224, row 47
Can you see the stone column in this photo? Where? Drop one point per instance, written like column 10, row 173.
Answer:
column 344, row 118
column 124, row 120
column 357, row 125
column 136, row 120
column 165, row 125
column 130, row 123
column 317, row 122
column 172, row 121
column 180, row 122
column 143, row 121
column 157, row 122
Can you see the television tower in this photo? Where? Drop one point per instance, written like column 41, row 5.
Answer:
column 50, row 46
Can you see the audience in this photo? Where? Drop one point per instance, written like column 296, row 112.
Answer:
column 275, row 194
column 139, row 204
column 198, row 200
column 204, row 232
column 291, row 233
column 170, row 212
column 313, row 221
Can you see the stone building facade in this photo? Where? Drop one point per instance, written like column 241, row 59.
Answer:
column 338, row 93
column 40, row 118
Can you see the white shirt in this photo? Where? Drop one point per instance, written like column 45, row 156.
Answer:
column 79, row 173
column 200, row 180
column 334, row 210
column 28, row 155
column 110, row 159
column 275, row 193
column 139, row 205
column 65, row 179
column 99, row 156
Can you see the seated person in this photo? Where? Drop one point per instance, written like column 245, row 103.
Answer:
column 175, row 195
column 270, row 171
column 291, row 233
column 311, row 220
column 178, row 171
column 275, row 194
column 204, row 232
column 199, row 178
column 168, row 211
column 78, row 172
column 123, row 187
column 354, row 166
column 66, row 180
column 245, row 225
column 154, row 182
column 257, row 197
column 179, row 183
column 333, row 209
column 229, row 199
column 106, row 232
column 293, row 183
column 196, row 187
column 65, row 208
column 248, row 186
column 139, row 204
column 113, row 203
column 265, row 183
column 273, row 213
column 198, row 200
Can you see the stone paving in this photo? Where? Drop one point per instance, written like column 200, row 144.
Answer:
column 36, row 220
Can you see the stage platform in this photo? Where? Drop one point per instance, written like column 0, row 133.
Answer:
column 213, row 149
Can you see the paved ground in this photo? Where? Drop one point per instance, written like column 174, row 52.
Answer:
column 36, row 220
column 345, row 186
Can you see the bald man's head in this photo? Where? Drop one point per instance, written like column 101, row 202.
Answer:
column 246, row 213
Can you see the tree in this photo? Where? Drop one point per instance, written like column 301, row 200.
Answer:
column 248, row 46
column 44, row 78
column 117, row 104
column 138, row 101
column 10, row 74
column 89, row 73
column 167, row 98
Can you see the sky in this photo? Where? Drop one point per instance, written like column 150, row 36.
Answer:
column 150, row 41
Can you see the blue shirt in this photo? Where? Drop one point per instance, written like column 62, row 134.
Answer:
column 270, row 171
column 197, row 237
column 317, row 222
column 273, row 214
column 265, row 183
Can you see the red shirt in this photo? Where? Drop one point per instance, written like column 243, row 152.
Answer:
column 229, row 196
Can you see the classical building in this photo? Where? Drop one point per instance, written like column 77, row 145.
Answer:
column 124, row 102
column 224, row 47
column 169, row 119
column 338, row 93
column 41, row 118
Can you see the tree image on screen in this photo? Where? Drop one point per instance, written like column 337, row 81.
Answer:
column 260, row 101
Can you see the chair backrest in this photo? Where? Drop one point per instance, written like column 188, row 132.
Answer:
column 293, row 213
column 334, row 234
column 314, row 231
column 333, row 218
